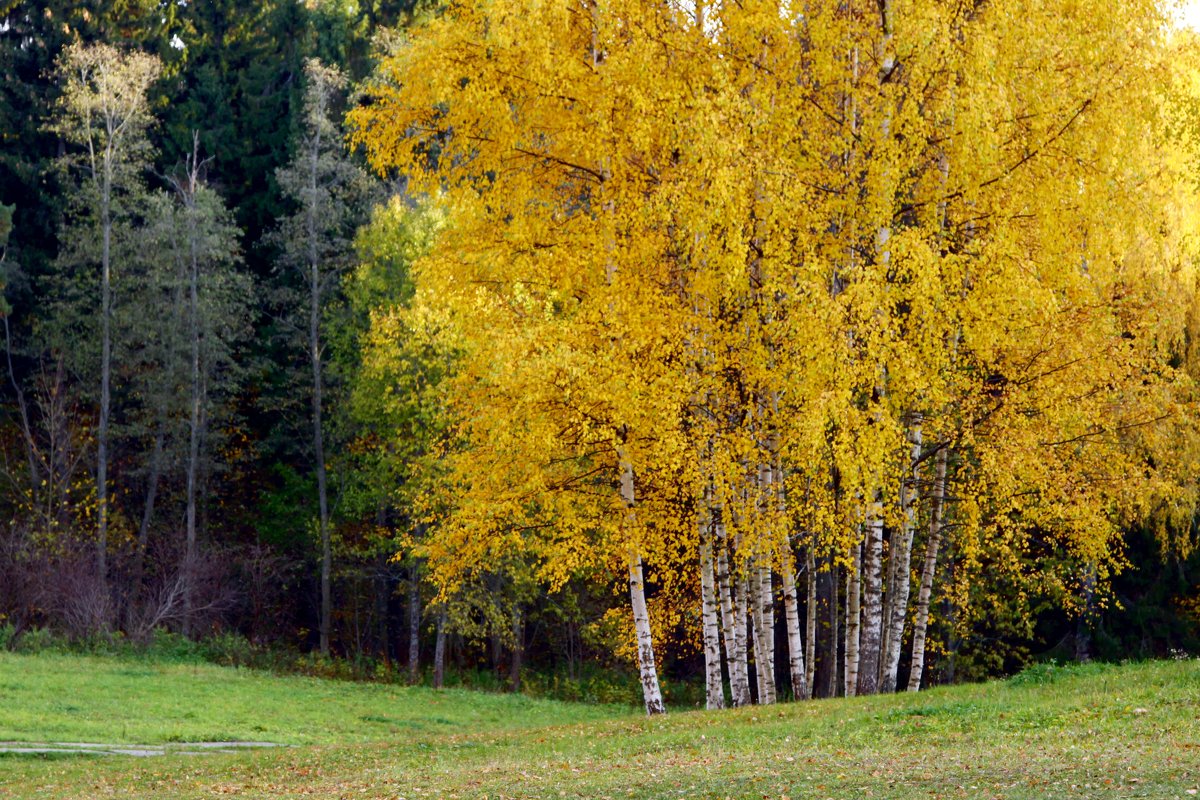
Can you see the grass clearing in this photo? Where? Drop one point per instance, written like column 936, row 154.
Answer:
column 1092, row 731
column 73, row 698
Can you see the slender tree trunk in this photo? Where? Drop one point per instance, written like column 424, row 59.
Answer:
column 714, row 686
column 810, row 622
column 641, row 613
column 414, row 628
column 195, row 417
column 105, row 369
column 870, row 650
column 745, row 604
column 518, row 650
column 766, row 617
column 731, row 624
column 791, row 612
column 752, row 591
column 439, row 651
column 853, row 621
column 888, row 570
column 641, row 623
column 921, row 623
column 902, row 567
column 872, row 589
column 194, row 409
column 314, row 339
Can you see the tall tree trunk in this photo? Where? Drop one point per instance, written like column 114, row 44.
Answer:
column 810, row 622
column 751, row 588
column 901, row 570
column 714, row 686
column 414, row 627
column 791, row 612
column 853, row 621
column 105, row 368
column 921, row 623
column 872, row 590
column 314, row 340
column 439, row 650
column 746, row 604
column 870, row 649
column 766, row 597
column 731, row 624
column 641, row 623
column 637, row 595
column 195, row 415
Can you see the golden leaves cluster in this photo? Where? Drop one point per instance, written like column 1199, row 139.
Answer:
column 759, row 238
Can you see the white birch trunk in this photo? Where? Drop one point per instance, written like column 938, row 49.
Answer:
column 766, row 617
column 921, row 623
column 853, row 621
column 902, row 567
column 731, row 623
column 749, row 590
column 743, row 611
column 641, row 623
column 872, row 589
column 870, row 654
column 714, row 686
column 791, row 611
column 637, row 595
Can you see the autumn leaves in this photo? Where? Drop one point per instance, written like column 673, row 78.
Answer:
column 796, row 305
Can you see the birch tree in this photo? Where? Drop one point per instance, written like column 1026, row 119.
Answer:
column 103, row 116
column 761, row 301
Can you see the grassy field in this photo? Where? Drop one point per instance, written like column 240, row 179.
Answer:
column 1094, row 731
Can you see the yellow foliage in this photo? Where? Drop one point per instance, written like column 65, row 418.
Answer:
column 748, row 252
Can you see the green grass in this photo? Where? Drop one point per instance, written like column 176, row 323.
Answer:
column 73, row 698
column 1083, row 732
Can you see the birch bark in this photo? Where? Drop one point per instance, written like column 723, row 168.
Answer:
column 731, row 624
column 872, row 589
column 637, row 595
column 901, row 571
column 791, row 610
column 853, row 621
column 921, row 623
column 714, row 686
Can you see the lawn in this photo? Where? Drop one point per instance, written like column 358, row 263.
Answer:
column 1081, row 732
